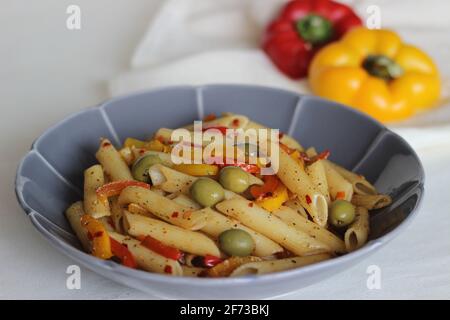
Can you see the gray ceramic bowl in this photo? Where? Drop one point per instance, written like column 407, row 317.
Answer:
column 49, row 178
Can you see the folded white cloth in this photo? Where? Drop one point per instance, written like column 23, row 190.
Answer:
column 201, row 41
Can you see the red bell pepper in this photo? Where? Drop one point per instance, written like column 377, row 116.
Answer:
column 122, row 252
column 270, row 185
column 115, row 188
column 160, row 248
column 302, row 27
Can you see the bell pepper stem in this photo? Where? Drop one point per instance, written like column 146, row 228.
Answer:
column 382, row 67
column 314, row 29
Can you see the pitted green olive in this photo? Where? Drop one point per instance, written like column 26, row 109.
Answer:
column 234, row 179
column 207, row 192
column 342, row 213
column 236, row 242
column 141, row 166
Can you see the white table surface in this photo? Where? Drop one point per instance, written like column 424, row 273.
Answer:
column 48, row 72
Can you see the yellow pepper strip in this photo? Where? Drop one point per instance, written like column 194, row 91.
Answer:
column 274, row 202
column 197, row 170
column 156, row 145
column 373, row 71
column 131, row 142
column 101, row 244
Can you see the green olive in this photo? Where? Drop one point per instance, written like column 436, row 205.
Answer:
column 141, row 166
column 234, row 179
column 236, row 242
column 207, row 192
column 342, row 213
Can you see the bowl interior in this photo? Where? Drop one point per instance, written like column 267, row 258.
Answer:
column 49, row 178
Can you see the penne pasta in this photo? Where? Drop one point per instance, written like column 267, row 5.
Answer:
column 317, row 174
column 338, row 186
column 291, row 218
column 148, row 260
column 94, row 179
column 298, row 182
column 218, row 223
column 357, row 233
column 359, row 183
column 185, row 240
column 269, row 266
column 371, row 202
column 297, row 206
column 271, row 226
column 112, row 162
column 164, row 208
column 73, row 215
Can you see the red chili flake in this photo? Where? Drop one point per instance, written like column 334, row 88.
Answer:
column 106, row 144
column 250, row 204
column 280, row 135
column 308, row 199
column 236, row 122
column 98, row 234
column 175, row 214
column 168, row 269
column 142, row 151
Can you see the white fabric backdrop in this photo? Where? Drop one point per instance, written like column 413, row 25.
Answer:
column 48, row 72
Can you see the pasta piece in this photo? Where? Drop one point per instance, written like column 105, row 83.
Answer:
column 147, row 259
column 264, row 267
column 94, row 179
column 316, row 172
column 338, row 186
column 116, row 215
column 226, row 267
column 297, row 181
column 163, row 208
column 107, row 223
column 185, row 240
column 291, row 218
column 218, row 223
column 191, row 271
column 357, row 233
column 127, row 155
column 73, row 215
column 297, row 206
column 112, row 162
column 170, row 180
column 370, row 202
column 271, row 226
column 184, row 200
column 360, row 184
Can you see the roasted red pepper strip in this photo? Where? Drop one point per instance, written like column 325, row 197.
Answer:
column 115, row 188
column 160, row 248
column 321, row 156
column 302, row 27
column 122, row 252
column 269, row 186
column 222, row 129
column 211, row 261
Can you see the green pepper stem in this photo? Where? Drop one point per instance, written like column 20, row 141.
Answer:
column 382, row 67
column 314, row 29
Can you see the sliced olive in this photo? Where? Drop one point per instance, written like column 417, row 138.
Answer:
column 141, row 166
column 234, row 179
column 207, row 192
column 236, row 242
column 342, row 213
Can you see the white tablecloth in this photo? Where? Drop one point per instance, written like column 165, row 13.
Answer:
column 48, row 72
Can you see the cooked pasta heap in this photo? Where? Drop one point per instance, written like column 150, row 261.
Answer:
column 217, row 220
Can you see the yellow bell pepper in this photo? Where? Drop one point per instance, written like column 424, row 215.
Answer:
column 101, row 243
column 373, row 71
column 197, row 170
column 275, row 201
